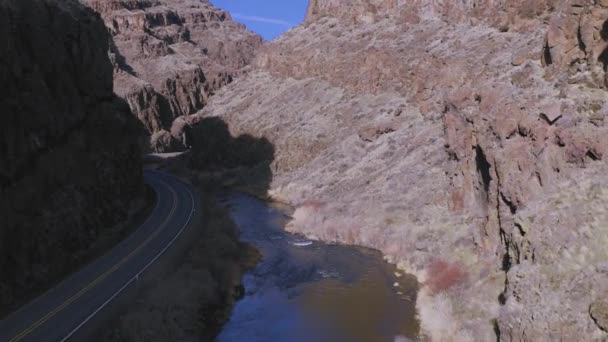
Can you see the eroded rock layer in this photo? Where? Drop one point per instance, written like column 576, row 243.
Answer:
column 170, row 56
column 466, row 140
column 69, row 161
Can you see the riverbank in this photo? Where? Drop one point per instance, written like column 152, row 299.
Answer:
column 192, row 297
column 306, row 290
column 379, row 285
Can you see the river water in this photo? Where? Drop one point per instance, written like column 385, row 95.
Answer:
column 305, row 291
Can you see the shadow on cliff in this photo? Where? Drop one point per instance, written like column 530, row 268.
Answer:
column 603, row 57
column 119, row 59
column 78, row 178
column 216, row 259
column 242, row 163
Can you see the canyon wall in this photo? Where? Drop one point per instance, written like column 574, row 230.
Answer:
column 70, row 165
column 502, row 14
column 466, row 140
column 170, row 56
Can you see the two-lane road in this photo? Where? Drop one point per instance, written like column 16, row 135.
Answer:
column 65, row 309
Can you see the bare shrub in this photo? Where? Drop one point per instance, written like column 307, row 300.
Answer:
column 437, row 318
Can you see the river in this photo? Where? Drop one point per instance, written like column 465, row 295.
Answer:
column 311, row 291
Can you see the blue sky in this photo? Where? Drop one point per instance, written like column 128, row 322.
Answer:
column 268, row 18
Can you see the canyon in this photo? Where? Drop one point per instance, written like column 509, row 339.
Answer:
column 465, row 140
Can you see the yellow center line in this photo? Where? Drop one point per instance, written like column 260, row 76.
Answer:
column 103, row 276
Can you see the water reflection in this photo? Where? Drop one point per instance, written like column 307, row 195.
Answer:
column 311, row 291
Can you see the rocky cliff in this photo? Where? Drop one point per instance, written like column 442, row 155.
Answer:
column 170, row 56
column 466, row 140
column 69, row 162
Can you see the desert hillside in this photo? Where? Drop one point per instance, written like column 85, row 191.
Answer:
column 170, row 56
column 465, row 140
column 70, row 166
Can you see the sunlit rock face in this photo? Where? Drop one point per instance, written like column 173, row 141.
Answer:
column 70, row 165
column 464, row 139
column 170, row 56
column 503, row 13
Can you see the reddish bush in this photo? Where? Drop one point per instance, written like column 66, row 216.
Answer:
column 442, row 275
column 313, row 204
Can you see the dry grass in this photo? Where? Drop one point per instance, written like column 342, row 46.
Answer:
column 437, row 318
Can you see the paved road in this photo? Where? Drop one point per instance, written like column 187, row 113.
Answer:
column 61, row 312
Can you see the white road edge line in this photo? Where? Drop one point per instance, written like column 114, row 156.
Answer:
column 141, row 271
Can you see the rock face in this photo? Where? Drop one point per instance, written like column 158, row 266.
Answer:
column 577, row 42
column 599, row 312
column 170, row 56
column 69, row 161
column 503, row 14
column 466, row 134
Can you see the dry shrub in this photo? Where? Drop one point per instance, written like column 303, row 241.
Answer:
column 313, row 204
column 438, row 321
column 443, row 275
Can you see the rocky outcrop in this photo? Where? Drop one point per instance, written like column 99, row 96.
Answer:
column 576, row 43
column 170, row 56
column 69, row 163
column 599, row 312
column 467, row 134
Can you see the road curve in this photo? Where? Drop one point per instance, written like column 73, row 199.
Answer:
column 65, row 309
